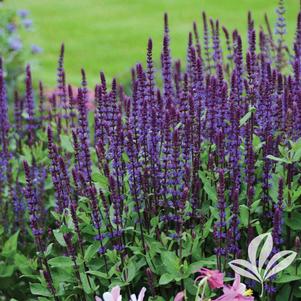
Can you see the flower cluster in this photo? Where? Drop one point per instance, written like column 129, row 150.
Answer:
column 193, row 164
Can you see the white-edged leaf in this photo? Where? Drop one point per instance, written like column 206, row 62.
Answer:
column 273, row 269
column 248, row 268
column 254, row 246
column 265, row 252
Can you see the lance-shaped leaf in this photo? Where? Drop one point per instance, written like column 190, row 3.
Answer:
column 248, row 270
column 254, row 246
column 265, row 251
column 285, row 258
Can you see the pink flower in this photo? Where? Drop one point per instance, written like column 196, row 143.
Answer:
column 214, row 277
column 179, row 296
column 140, row 297
column 114, row 295
column 236, row 292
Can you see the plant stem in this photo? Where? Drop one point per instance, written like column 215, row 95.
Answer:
column 262, row 289
column 203, row 283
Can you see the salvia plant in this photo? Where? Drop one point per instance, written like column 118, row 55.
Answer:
column 105, row 194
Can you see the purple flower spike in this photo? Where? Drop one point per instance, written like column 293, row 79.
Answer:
column 33, row 206
column 220, row 227
column 30, row 107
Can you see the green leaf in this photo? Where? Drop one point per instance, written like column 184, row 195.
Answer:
column 91, row 251
column 49, row 249
column 171, row 262
column 85, row 282
column 6, row 270
column 57, row 216
column 66, row 143
column 207, row 227
column 271, row 157
column 245, row 118
column 23, row 264
column 257, row 144
column 196, row 246
column 59, row 237
column 255, row 205
column 297, row 155
column 125, row 157
column 39, row 289
column 27, row 153
column 284, row 293
column 155, row 221
column 10, row 246
column 157, row 298
column 131, row 271
column 214, row 212
column 99, row 274
column 190, row 286
column 205, row 262
column 294, row 221
column 296, row 194
column 285, row 278
column 244, row 215
column 258, row 227
column 210, row 190
column 296, row 148
column 165, row 279
column 100, row 179
column 61, row 262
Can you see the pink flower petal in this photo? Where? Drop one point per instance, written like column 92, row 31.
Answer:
column 235, row 292
column 141, row 294
column 179, row 296
column 116, row 293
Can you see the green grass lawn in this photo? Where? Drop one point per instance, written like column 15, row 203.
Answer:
column 111, row 35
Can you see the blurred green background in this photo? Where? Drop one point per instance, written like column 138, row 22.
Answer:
column 111, row 35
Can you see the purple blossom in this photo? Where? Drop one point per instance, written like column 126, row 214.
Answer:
column 15, row 43
column 280, row 31
column 4, row 120
column 23, row 13
column 4, row 132
column 233, row 233
column 36, row 49
column 83, row 134
column 27, row 23
column 166, row 66
column 30, row 107
column 207, row 45
column 278, row 219
column 58, row 174
column 11, row 27
column 33, row 206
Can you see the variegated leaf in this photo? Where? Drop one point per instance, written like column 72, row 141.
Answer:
column 265, row 251
column 248, row 269
column 254, row 246
column 284, row 262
